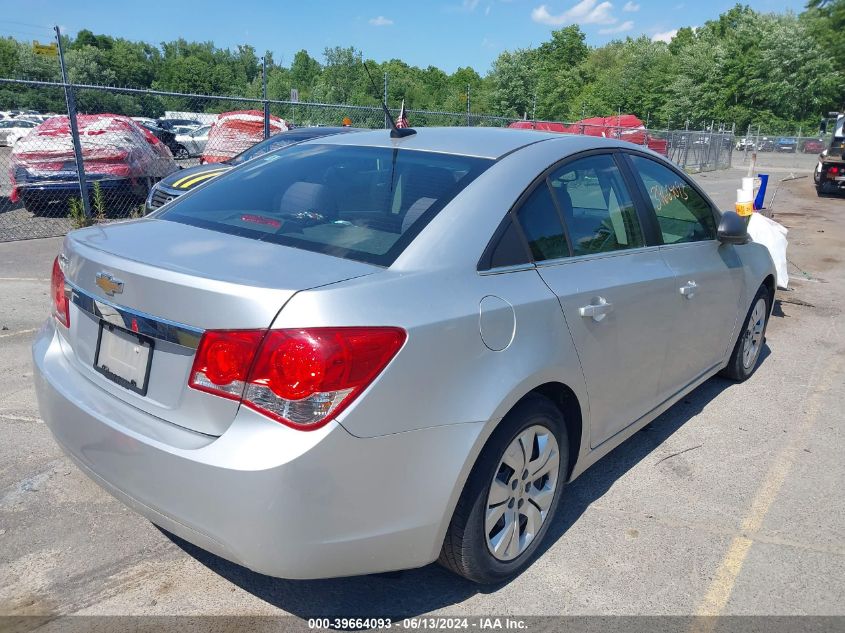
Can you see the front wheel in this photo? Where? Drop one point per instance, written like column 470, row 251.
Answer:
column 511, row 495
column 747, row 350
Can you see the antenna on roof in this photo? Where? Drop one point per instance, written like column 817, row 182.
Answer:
column 395, row 132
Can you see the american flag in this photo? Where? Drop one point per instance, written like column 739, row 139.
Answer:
column 402, row 121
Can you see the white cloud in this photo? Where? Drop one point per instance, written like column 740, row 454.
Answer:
column 631, row 7
column 381, row 21
column 665, row 36
column 466, row 6
column 585, row 12
column 620, row 28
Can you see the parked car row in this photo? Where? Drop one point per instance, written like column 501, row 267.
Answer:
column 128, row 156
column 784, row 144
column 12, row 130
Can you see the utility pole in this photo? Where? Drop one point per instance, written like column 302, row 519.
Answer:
column 70, row 100
column 468, row 106
column 386, row 122
column 264, row 97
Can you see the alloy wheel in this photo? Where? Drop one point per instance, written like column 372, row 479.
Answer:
column 521, row 492
column 754, row 334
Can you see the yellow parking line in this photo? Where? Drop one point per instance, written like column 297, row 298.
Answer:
column 723, row 583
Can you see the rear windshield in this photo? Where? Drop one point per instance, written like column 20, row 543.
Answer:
column 361, row 203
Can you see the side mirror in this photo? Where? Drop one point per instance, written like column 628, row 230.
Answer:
column 732, row 229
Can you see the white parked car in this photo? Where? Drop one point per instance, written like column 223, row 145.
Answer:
column 193, row 141
column 11, row 130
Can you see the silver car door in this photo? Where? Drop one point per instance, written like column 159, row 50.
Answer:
column 709, row 277
column 615, row 291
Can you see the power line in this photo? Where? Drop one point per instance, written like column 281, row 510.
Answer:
column 37, row 26
column 26, row 33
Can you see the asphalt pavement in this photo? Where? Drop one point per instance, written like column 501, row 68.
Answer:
column 732, row 502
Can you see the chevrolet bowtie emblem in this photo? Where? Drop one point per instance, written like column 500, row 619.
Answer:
column 109, row 284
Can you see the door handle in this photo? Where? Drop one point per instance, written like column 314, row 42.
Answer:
column 597, row 309
column 689, row 289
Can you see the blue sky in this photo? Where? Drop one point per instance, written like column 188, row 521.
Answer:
column 443, row 33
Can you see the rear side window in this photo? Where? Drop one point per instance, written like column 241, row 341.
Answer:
column 361, row 203
column 541, row 224
column 596, row 206
column 508, row 248
column 682, row 214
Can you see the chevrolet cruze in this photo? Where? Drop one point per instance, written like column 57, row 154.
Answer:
column 365, row 353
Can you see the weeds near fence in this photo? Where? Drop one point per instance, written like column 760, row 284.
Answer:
column 99, row 203
column 76, row 213
column 78, row 219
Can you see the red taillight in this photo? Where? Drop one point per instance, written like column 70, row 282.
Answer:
column 834, row 170
column 59, row 295
column 223, row 360
column 302, row 378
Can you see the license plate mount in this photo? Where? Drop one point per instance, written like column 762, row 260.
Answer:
column 124, row 357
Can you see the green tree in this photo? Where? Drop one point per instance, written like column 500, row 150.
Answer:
column 304, row 73
column 513, row 80
column 341, row 76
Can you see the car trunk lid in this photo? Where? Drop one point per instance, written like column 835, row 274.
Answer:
column 168, row 282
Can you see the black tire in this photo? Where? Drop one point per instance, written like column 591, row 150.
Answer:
column 738, row 368
column 465, row 550
column 181, row 152
column 39, row 205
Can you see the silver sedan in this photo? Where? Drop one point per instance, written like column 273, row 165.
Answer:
column 365, row 353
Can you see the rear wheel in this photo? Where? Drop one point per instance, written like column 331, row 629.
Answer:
column 40, row 205
column 511, row 495
column 747, row 350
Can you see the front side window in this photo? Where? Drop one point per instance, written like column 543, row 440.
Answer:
column 596, row 206
column 361, row 203
column 682, row 214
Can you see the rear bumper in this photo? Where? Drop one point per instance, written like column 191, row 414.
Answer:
column 71, row 187
column 278, row 501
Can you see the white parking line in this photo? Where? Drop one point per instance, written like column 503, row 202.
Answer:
column 20, row 418
column 18, row 333
column 24, row 279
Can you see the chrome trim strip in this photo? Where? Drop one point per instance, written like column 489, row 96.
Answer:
column 499, row 270
column 654, row 248
column 134, row 320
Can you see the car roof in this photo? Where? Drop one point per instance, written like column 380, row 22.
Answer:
column 466, row 141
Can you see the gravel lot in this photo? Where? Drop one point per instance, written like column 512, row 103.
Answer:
column 732, row 502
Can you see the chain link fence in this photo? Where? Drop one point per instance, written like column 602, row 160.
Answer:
column 698, row 151
column 783, row 153
column 127, row 139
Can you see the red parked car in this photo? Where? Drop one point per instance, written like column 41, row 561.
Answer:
column 813, row 146
column 125, row 159
column 625, row 127
column 235, row 132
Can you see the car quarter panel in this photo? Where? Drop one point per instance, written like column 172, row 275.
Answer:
column 445, row 374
